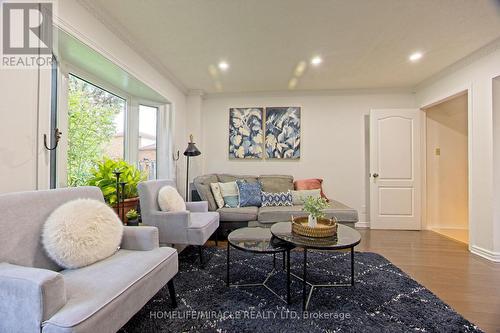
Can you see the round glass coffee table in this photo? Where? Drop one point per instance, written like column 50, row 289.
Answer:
column 346, row 238
column 256, row 240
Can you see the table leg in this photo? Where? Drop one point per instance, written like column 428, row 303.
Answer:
column 352, row 266
column 227, row 265
column 283, row 260
column 287, row 275
column 304, row 282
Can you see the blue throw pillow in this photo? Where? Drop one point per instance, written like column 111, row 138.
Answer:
column 277, row 199
column 249, row 193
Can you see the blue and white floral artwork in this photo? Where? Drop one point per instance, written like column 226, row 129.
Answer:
column 245, row 132
column 283, row 132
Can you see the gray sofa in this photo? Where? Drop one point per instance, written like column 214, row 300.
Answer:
column 36, row 295
column 232, row 218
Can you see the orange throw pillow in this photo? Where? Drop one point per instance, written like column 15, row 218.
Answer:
column 310, row 184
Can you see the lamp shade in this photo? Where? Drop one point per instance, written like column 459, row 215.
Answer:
column 191, row 149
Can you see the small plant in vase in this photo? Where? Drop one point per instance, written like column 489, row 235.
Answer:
column 132, row 217
column 314, row 206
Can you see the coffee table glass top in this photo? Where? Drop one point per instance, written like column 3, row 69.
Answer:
column 346, row 237
column 255, row 240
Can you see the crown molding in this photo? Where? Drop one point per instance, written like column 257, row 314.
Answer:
column 480, row 53
column 324, row 92
column 117, row 29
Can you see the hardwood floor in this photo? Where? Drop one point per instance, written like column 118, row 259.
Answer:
column 466, row 282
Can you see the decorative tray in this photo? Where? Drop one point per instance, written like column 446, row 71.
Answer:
column 324, row 227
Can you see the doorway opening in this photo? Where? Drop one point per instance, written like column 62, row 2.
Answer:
column 447, row 206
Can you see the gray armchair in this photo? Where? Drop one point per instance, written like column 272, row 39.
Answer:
column 192, row 227
column 36, row 295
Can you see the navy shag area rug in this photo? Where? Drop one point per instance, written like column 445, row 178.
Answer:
column 384, row 298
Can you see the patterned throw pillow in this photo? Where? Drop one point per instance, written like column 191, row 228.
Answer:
column 229, row 192
column 250, row 193
column 277, row 199
column 219, row 200
column 298, row 197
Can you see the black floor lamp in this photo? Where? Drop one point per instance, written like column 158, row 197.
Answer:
column 191, row 151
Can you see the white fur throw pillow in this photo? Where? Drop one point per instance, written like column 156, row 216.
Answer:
column 82, row 232
column 170, row 200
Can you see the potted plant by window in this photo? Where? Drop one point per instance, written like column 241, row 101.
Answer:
column 132, row 218
column 314, row 206
column 103, row 177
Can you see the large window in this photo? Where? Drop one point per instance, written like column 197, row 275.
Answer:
column 148, row 126
column 96, row 128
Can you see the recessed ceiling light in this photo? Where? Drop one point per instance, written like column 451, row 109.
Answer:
column 315, row 61
column 414, row 57
column 223, row 66
column 292, row 83
column 300, row 68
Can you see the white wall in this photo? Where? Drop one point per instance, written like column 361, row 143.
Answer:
column 18, row 128
column 19, row 109
column 475, row 74
column 447, row 179
column 333, row 139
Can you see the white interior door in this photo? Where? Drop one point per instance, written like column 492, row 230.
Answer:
column 395, row 169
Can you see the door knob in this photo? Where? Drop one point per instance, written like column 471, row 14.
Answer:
column 375, row 175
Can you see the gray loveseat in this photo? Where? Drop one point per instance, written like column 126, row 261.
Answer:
column 232, row 218
column 38, row 296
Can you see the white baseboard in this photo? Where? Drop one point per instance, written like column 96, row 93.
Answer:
column 362, row 225
column 487, row 254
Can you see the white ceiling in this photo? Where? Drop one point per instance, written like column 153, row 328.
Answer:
column 365, row 44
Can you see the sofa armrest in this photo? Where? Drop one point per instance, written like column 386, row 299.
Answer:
column 172, row 226
column 28, row 296
column 197, row 206
column 140, row 238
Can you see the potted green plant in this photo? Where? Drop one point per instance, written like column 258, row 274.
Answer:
column 314, row 206
column 103, row 176
column 132, row 218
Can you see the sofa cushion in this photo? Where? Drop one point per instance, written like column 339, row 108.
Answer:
column 170, row 200
column 216, row 192
column 24, row 214
column 82, row 232
column 229, row 192
column 279, row 214
column 202, row 185
column 276, row 183
column 203, row 225
column 249, row 193
column 298, row 197
column 277, row 199
column 93, row 290
column 238, row 214
column 341, row 212
column 310, row 184
column 336, row 209
column 225, row 178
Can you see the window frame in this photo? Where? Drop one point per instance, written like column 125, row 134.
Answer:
column 157, row 107
column 164, row 123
